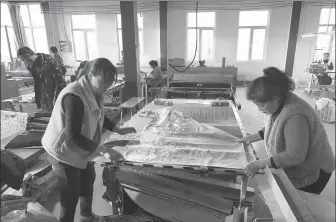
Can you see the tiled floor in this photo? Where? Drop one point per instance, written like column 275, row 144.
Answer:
column 252, row 120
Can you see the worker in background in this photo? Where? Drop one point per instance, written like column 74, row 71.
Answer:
column 294, row 135
column 48, row 77
column 329, row 65
column 54, row 53
column 74, row 134
column 155, row 78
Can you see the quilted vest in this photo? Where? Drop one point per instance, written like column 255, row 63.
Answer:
column 319, row 155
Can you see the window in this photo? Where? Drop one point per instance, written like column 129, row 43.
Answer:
column 325, row 42
column 140, row 29
column 252, row 35
column 9, row 45
column 33, row 21
column 84, row 36
column 205, row 35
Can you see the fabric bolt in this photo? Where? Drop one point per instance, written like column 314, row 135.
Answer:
column 13, row 169
column 26, row 140
column 319, row 153
column 76, row 184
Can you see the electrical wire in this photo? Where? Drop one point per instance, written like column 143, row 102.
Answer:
column 181, row 71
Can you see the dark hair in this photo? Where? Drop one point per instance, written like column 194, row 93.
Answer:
column 53, row 49
column 274, row 83
column 153, row 63
column 100, row 66
column 24, row 51
column 326, row 53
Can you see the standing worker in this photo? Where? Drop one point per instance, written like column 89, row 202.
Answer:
column 58, row 58
column 48, row 77
column 74, row 134
column 294, row 135
column 156, row 74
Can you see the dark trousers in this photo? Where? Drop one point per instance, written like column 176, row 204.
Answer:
column 319, row 185
column 77, row 184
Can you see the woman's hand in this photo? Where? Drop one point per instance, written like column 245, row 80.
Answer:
column 253, row 167
column 246, row 139
column 126, row 130
column 111, row 154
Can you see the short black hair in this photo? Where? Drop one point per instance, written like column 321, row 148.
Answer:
column 274, row 83
column 326, row 53
column 153, row 63
column 53, row 49
column 24, row 51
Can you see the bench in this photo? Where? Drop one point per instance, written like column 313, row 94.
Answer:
column 130, row 104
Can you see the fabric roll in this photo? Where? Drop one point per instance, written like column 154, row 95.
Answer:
column 26, row 140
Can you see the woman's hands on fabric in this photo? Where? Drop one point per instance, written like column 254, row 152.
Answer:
column 246, row 139
column 253, row 167
column 111, row 154
column 126, row 130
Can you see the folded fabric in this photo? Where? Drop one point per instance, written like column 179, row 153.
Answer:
column 38, row 126
column 26, row 140
column 13, row 169
column 42, row 120
column 42, row 113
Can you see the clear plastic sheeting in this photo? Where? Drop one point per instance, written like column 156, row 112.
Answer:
column 173, row 138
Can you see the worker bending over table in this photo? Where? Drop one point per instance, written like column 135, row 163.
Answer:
column 74, row 134
column 155, row 78
column 48, row 77
column 294, row 135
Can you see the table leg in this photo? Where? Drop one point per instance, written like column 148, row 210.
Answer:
column 121, row 116
column 243, row 190
column 21, row 108
column 146, row 92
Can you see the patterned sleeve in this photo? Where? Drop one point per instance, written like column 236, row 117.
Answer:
column 58, row 78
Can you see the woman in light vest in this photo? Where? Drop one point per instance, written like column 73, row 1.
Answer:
column 294, row 135
column 74, row 133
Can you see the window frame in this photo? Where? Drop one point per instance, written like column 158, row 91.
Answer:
column 7, row 36
column 252, row 28
column 120, row 29
column 200, row 31
column 31, row 27
column 85, row 31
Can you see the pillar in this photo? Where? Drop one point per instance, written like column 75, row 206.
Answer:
column 163, row 33
column 293, row 35
column 130, row 37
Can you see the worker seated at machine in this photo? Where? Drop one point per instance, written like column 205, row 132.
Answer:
column 121, row 63
column 324, row 78
column 201, row 63
column 155, row 78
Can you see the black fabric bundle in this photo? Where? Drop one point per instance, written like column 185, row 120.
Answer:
column 36, row 125
column 13, row 169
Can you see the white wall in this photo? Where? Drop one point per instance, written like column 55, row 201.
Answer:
column 151, row 35
column 310, row 17
column 226, row 35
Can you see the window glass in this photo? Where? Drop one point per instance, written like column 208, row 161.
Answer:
column 120, row 42
column 83, row 21
column 40, row 37
column 36, row 15
column 327, row 16
column 5, row 16
column 204, row 19
column 192, row 44
column 92, row 44
column 119, row 21
column 140, row 41
column 12, row 41
column 253, row 18
column 30, row 39
column 25, row 15
column 140, row 21
column 243, row 44
column 5, row 56
column 79, row 42
column 207, row 45
column 258, row 44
